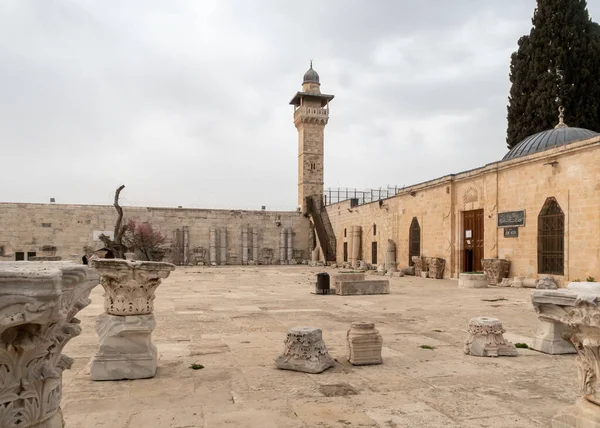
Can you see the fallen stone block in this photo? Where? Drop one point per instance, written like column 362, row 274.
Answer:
column 358, row 288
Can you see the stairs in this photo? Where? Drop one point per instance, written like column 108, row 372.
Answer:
column 316, row 209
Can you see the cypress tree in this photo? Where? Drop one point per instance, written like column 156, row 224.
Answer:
column 558, row 63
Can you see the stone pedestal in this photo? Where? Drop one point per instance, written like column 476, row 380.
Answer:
column 495, row 270
column 472, row 280
column 360, row 288
column 38, row 304
column 485, row 339
column 390, row 257
column 576, row 309
column 126, row 350
column 549, row 339
column 304, row 351
column 364, row 344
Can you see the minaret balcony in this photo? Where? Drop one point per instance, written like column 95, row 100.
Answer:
column 310, row 114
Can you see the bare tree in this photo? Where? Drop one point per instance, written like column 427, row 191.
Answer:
column 116, row 244
column 142, row 238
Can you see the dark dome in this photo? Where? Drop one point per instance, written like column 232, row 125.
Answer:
column 311, row 76
column 548, row 140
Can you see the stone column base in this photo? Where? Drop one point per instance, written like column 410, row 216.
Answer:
column 549, row 339
column 56, row 421
column 485, row 339
column 582, row 415
column 472, row 280
column 126, row 350
column 304, row 351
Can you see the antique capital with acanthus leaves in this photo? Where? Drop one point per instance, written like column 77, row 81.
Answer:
column 38, row 303
column 576, row 308
column 129, row 286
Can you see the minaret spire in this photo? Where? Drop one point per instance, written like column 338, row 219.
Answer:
column 561, row 118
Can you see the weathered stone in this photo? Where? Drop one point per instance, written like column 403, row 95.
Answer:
column 517, row 282
column 410, row 270
column 38, row 304
column 506, row 282
column 381, row 270
column 364, row 344
column 485, row 339
column 418, row 265
column 344, row 276
column 362, row 266
column 581, row 415
column 546, row 283
column 304, row 351
column 356, row 288
column 576, row 309
column 129, row 286
column 495, row 270
column 549, row 339
column 126, row 350
column 390, row 257
column 436, row 267
column 472, row 280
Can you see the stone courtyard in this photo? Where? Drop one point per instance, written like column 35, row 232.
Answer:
column 233, row 320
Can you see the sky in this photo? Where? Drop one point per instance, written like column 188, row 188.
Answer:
column 187, row 102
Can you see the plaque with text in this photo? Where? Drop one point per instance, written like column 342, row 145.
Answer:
column 511, row 232
column 511, row 219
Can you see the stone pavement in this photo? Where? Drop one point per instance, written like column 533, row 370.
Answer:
column 233, row 320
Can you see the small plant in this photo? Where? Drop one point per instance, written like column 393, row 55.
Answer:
column 428, row 347
column 196, row 366
column 590, row 279
column 521, row 345
column 576, row 280
column 437, row 331
column 497, row 299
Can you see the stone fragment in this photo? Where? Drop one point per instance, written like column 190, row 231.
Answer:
column 506, row 282
column 390, row 257
column 436, row 266
column 362, row 266
column 364, row 344
column 495, row 270
column 356, row 288
column 410, row 270
column 549, row 339
column 546, row 283
column 38, row 304
column 126, row 350
column 485, row 339
column 344, row 276
column 304, row 351
column 381, row 270
column 472, row 280
column 418, row 265
column 517, row 282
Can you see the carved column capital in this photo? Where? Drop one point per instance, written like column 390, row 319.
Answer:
column 129, row 286
column 38, row 303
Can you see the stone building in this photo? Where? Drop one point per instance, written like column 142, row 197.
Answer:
column 538, row 207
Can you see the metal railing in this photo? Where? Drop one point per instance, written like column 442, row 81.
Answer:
column 358, row 197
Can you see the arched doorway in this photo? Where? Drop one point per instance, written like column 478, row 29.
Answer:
column 414, row 240
column 551, row 239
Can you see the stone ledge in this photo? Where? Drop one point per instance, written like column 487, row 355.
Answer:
column 357, row 288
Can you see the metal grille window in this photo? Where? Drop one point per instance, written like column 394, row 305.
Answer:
column 551, row 238
column 414, row 240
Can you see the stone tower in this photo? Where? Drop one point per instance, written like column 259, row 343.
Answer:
column 311, row 113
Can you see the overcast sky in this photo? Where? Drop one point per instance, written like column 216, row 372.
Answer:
column 186, row 102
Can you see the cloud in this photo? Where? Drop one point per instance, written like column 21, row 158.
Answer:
column 186, row 102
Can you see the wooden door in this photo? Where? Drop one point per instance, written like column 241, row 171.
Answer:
column 472, row 240
column 345, row 251
column 374, row 253
column 414, row 240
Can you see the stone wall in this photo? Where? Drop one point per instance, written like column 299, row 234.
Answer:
column 64, row 230
column 518, row 184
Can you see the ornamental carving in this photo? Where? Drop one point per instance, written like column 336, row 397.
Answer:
column 38, row 304
column 486, row 339
column 495, row 270
column 129, row 286
column 436, row 267
column 418, row 262
column 304, row 351
column 579, row 314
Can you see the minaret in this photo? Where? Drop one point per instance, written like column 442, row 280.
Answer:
column 311, row 113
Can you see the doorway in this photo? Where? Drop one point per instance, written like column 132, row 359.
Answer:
column 414, row 240
column 374, row 253
column 472, row 241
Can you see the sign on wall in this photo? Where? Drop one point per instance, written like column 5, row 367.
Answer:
column 511, row 219
column 511, row 232
column 97, row 233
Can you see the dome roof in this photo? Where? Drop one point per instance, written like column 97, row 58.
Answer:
column 559, row 136
column 311, row 75
column 548, row 140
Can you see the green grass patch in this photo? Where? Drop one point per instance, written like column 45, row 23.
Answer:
column 428, row 347
column 498, row 299
column 196, row 366
column 437, row 331
column 521, row 345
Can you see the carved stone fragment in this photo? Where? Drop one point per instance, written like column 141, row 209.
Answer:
column 495, row 270
column 436, row 267
column 546, row 283
column 38, row 304
column 304, row 351
column 364, row 344
column 418, row 264
column 485, row 339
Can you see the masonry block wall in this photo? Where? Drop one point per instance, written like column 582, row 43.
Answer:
column 64, row 230
column 570, row 174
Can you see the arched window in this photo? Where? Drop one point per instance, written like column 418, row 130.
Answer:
column 414, row 240
column 551, row 239
column 344, row 233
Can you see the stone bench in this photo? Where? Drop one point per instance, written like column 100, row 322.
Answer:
column 340, row 277
column 358, row 288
